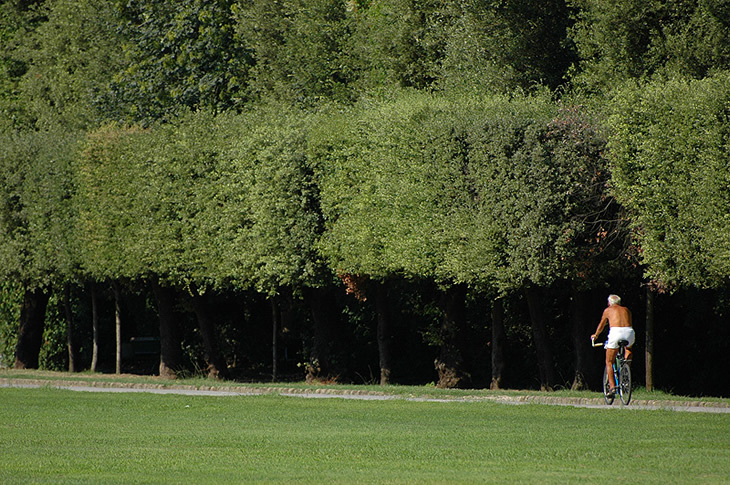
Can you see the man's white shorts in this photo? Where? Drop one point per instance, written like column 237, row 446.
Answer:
column 620, row 333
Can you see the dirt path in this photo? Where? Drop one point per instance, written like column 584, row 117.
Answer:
column 106, row 386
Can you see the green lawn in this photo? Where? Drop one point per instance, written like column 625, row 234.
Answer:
column 57, row 436
column 53, row 378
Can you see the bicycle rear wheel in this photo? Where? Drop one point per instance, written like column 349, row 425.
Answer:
column 624, row 387
column 606, row 388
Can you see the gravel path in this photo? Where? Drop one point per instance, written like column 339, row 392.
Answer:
column 324, row 393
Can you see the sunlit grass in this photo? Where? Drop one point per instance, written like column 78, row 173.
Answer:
column 431, row 391
column 57, row 436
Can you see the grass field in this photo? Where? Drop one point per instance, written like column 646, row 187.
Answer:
column 59, row 436
column 113, row 380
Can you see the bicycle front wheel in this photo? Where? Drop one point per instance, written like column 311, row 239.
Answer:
column 606, row 388
column 625, row 384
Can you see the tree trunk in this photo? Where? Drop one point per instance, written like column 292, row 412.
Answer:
column 649, row 352
column 275, row 324
column 540, row 339
column 214, row 360
column 580, row 331
column 498, row 342
column 95, row 329
column 450, row 363
column 73, row 363
column 30, row 330
column 170, row 351
column 118, row 326
column 319, row 368
column 384, row 335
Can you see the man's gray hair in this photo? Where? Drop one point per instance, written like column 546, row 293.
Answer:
column 614, row 300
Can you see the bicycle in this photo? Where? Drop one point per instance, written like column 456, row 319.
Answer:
column 621, row 374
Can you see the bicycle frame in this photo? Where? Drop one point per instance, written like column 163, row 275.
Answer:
column 621, row 375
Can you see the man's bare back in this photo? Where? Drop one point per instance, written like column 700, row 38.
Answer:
column 617, row 316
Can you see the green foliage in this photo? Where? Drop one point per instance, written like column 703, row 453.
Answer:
column 17, row 21
column 71, row 57
column 386, row 187
column 616, row 40
column 282, row 198
column 516, row 191
column 11, row 296
column 540, row 201
column 206, row 200
column 158, row 202
column 56, row 60
column 505, row 45
column 595, row 236
column 107, row 185
column 399, row 43
column 635, row 39
column 700, row 44
column 298, row 47
column 177, row 55
column 670, row 170
column 489, row 191
column 475, row 57
column 191, row 203
column 54, row 351
column 37, row 247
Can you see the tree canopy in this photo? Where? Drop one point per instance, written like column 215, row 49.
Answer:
column 254, row 151
column 37, row 246
column 670, row 171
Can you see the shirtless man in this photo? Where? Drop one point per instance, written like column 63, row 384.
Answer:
column 618, row 318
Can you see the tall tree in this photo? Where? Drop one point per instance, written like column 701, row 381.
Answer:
column 36, row 217
column 598, row 225
column 389, row 183
column 669, row 169
column 535, row 209
column 286, row 225
column 56, row 60
column 155, row 205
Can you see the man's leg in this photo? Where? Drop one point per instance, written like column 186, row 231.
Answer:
column 629, row 354
column 610, row 357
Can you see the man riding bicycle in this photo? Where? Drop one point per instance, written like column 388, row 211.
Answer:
column 618, row 318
